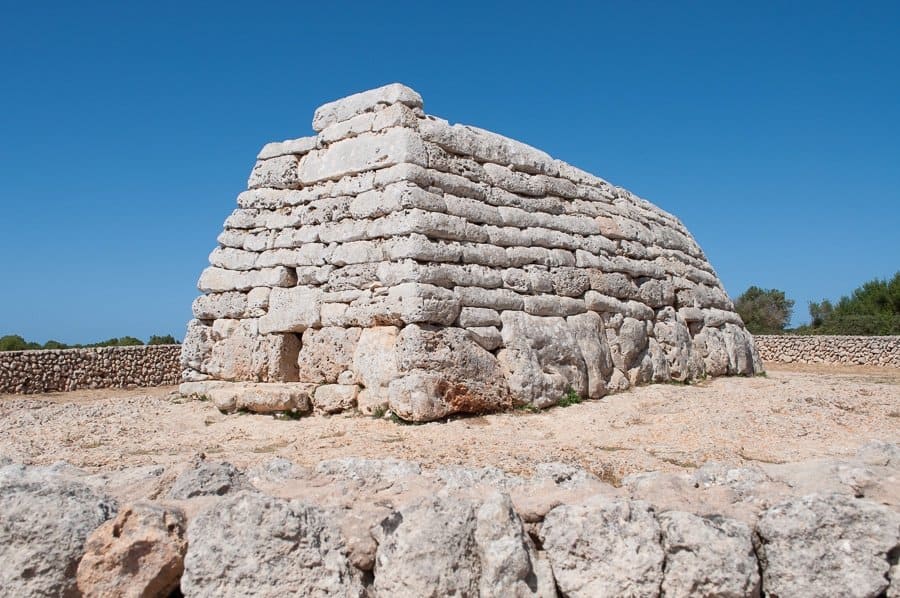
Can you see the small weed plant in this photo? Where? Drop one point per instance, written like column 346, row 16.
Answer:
column 292, row 414
column 570, row 398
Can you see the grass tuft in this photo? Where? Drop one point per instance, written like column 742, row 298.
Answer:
column 570, row 398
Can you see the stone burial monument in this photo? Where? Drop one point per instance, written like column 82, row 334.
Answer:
column 394, row 261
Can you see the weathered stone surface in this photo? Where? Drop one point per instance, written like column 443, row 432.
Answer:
column 452, row 546
column 217, row 280
column 707, row 556
column 424, row 303
column 268, row 397
column 275, row 173
column 632, row 341
column 208, row 478
column 220, row 305
column 478, row 316
column 359, row 154
column 291, row 310
column 488, row 337
column 197, row 347
column 297, row 147
column 245, row 356
column 45, row 520
column 366, row 101
column 374, row 360
column 604, row 547
column 444, row 371
column 138, row 554
column 353, row 526
column 591, row 338
column 326, row 353
column 334, row 398
column 827, row 545
column 302, row 547
column 541, row 359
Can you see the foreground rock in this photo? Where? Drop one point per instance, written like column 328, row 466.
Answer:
column 707, row 556
column 604, row 547
column 454, row 546
column 388, row 528
column 45, row 519
column 255, row 545
column 827, row 545
column 139, row 554
column 207, row 478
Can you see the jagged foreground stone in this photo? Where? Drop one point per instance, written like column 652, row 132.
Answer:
column 139, row 554
column 45, row 520
column 389, row 528
column 397, row 261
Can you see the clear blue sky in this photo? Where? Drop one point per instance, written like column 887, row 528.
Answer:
column 127, row 129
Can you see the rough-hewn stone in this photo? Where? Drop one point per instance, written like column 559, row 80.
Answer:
column 139, row 554
column 45, row 520
column 382, row 527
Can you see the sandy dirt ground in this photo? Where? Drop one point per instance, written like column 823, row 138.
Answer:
column 794, row 413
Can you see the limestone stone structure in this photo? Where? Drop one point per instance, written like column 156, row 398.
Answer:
column 397, row 261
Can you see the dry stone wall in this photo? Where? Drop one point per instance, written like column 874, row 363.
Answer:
column 850, row 350
column 396, row 261
column 76, row 369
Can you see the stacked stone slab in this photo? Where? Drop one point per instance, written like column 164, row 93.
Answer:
column 396, row 261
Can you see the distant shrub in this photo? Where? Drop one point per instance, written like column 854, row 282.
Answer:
column 871, row 309
column 122, row 341
column 764, row 311
column 51, row 344
column 14, row 342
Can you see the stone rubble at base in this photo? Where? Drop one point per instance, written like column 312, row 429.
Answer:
column 432, row 269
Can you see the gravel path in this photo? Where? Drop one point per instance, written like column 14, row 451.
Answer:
column 794, row 413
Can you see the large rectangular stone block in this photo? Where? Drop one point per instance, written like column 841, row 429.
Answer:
column 366, row 101
column 291, row 310
column 365, row 152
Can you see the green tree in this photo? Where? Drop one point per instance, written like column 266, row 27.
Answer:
column 162, row 340
column 764, row 311
column 871, row 309
column 52, row 344
column 123, row 341
column 14, row 342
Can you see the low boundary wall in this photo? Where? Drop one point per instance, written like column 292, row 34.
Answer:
column 102, row 367
column 850, row 350
column 157, row 365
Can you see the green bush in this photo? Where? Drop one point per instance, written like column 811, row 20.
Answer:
column 14, row 342
column 764, row 311
column 51, row 344
column 122, row 341
column 570, row 398
column 871, row 309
